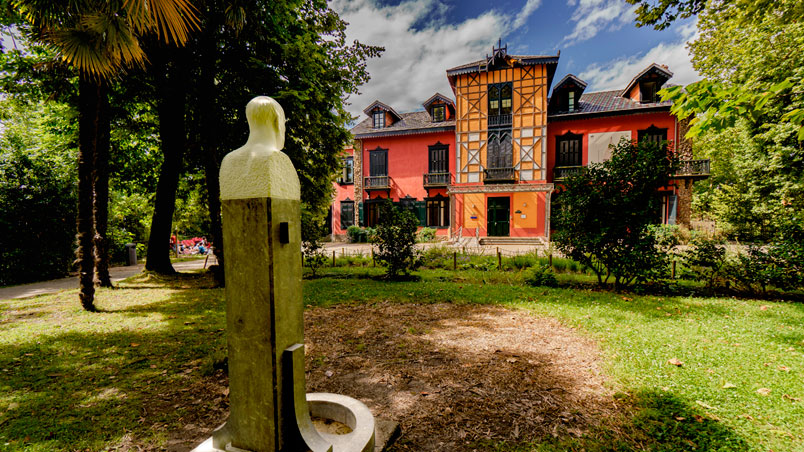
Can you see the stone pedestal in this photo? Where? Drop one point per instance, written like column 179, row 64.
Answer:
column 260, row 202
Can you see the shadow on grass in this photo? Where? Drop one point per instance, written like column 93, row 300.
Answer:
column 648, row 421
column 123, row 377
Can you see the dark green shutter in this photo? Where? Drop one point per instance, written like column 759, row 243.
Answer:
column 360, row 214
column 421, row 212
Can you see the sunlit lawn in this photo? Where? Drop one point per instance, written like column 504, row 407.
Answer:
column 73, row 380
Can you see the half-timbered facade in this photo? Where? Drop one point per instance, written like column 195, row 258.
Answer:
column 486, row 164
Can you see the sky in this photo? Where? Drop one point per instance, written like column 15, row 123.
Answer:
column 598, row 41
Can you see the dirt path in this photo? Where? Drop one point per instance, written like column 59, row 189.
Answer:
column 457, row 377
column 57, row 285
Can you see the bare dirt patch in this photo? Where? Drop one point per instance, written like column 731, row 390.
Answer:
column 455, row 376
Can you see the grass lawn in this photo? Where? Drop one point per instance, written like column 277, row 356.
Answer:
column 146, row 367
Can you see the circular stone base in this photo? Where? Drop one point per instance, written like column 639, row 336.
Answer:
column 346, row 410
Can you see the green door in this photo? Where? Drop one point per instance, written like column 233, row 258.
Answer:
column 499, row 216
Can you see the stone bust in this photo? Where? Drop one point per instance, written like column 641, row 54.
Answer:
column 260, row 169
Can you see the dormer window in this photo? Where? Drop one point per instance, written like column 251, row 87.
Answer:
column 439, row 113
column 648, row 92
column 379, row 119
column 571, row 101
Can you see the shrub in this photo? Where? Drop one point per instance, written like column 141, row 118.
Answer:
column 540, row 275
column 395, row 237
column 603, row 213
column 704, row 261
column 312, row 250
column 437, row 257
column 356, row 234
column 754, row 270
column 426, row 235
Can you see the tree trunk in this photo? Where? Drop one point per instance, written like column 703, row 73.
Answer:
column 88, row 117
column 101, row 183
column 170, row 76
column 210, row 139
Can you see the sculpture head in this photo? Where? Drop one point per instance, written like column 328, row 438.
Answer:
column 266, row 120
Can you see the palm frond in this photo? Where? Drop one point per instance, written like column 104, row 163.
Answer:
column 172, row 20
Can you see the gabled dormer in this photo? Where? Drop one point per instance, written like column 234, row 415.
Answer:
column 567, row 95
column 440, row 108
column 381, row 115
column 644, row 87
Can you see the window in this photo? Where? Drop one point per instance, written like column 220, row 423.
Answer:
column 347, row 213
column 652, row 134
column 439, row 158
column 378, row 162
column 648, row 92
column 438, row 212
column 569, row 150
column 571, row 101
column 500, row 95
column 379, row 119
column 439, row 113
column 348, row 170
column 494, row 100
column 500, row 150
column 669, row 207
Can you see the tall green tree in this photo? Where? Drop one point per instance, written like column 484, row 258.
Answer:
column 99, row 39
column 295, row 51
column 751, row 55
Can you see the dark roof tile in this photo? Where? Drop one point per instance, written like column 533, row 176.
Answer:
column 609, row 101
column 410, row 123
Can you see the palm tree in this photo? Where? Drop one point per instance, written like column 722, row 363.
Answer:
column 100, row 39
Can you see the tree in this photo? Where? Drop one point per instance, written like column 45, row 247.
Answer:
column 603, row 213
column 99, row 39
column 395, row 238
column 37, row 190
column 751, row 54
column 294, row 51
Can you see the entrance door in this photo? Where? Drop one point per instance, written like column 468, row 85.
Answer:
column 499, row 216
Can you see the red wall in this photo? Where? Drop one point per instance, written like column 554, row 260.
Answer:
column 342, row 191
column 407, row 162
column 632, row 122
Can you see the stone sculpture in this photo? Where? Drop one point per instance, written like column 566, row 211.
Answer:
column 269, row 410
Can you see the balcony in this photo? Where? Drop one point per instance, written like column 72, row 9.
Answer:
column 377, row 183
column 498, row 175
column 499, row 120
column 562, row 172
column 692, row 169
column 436, row 179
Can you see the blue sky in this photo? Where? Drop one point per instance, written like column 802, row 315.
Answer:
column 423, row 38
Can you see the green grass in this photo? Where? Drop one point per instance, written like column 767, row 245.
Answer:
column 71, row 380
column 748, row 344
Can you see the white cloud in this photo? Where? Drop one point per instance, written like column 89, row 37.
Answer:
column 419, row 47
column 593, row 16
column 616, row 74
column 527, row 10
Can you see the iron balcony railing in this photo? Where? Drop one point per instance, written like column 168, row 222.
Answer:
column 562, row 172
column 436, row 179
column 693, row 169
column 499, row 120
column 377, row 183
column 507, row 174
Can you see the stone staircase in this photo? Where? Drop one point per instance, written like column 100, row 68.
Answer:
column 534, row 241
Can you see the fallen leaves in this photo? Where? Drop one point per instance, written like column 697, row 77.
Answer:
column 675, row 362
column 728, row 385
column 764, row 391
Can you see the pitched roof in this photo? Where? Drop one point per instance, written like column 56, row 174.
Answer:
column 480, row 65
column 385, row 107
column 409, row 123
column 570, row 78
column 662, row 70
column 435, row 97
column 609, row 102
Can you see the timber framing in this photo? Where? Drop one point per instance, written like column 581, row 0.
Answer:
column 499, row 188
